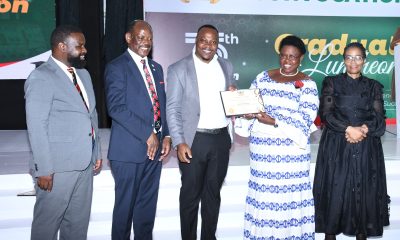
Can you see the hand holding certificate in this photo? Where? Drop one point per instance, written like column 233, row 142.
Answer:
column 243, row 101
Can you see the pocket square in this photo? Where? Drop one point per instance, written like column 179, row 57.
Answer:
column 161, row 82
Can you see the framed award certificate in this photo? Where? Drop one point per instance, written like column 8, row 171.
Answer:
column 243, row 101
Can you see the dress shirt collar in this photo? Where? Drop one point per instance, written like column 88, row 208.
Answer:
column 136, row 58
column 63, row 67
column 78, row 79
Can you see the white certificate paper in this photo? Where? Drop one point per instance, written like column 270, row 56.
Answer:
column 243, row 101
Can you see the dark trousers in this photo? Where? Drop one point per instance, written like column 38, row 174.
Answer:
column 136, row 193
column 202, row 181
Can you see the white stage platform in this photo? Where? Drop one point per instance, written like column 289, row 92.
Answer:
column 16, row 212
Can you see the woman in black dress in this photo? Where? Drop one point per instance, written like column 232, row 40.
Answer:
column 350, row 191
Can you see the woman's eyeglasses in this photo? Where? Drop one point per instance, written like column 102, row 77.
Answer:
column 289, row 57
column 356, row 58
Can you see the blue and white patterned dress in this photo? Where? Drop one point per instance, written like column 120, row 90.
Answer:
column 279, row 203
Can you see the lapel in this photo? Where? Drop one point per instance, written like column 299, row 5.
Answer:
column 191, row 72
column 158, row 79
column 66, row 86
column 135, row 77
column 88, row 88
column 192, row 76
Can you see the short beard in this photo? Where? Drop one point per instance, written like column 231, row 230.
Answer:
column 76, row 62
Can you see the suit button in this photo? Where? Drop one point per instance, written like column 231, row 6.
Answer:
column 90, row 134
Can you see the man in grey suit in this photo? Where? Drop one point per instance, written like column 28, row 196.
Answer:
column 198, row 128
column 63, row 133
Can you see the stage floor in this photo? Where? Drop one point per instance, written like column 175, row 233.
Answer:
column 16, row 212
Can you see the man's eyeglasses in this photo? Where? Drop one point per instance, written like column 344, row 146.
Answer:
column 289, row 57
column 356, row 58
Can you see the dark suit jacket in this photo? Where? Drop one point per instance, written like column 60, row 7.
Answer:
column 130, row 108
column 59, row 125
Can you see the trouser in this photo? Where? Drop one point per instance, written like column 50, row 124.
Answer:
column 136, row 193
column 66, row 208
column 202, row 180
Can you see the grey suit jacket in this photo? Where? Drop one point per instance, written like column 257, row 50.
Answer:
column 59, row 125
column 183, row 103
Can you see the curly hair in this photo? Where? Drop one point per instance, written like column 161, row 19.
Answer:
column 294, row 41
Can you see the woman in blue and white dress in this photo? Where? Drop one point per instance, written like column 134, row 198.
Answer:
column 279, row 203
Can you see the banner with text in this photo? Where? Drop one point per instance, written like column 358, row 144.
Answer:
column 251, row 41
column 25, row 31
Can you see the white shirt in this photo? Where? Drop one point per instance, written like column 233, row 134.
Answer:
column 211, row 80
column 78, row 80
column 136, row 58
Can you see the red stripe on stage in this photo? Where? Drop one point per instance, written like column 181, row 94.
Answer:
column 6, row 63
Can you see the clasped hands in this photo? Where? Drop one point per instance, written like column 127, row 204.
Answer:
column 356, row 134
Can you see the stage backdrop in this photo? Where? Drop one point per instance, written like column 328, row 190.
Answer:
column 250, row 32
column 24, row 36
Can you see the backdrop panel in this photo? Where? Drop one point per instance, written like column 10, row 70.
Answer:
column 24, row 36
column 250, row 41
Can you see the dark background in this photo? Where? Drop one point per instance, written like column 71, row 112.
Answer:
column 103, row 45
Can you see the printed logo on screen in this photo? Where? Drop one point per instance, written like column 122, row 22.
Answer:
column 228, row 39
column 16, row 6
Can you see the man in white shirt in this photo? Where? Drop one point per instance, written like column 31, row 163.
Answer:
column 198, row 128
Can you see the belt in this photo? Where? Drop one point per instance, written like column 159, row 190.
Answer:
column 211, row 131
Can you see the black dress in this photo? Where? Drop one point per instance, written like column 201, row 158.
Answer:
column 349, row 190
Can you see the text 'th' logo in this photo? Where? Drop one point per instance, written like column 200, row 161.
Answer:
column 190, row 37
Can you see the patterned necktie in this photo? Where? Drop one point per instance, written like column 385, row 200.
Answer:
column 154, row 98
column 71, row 70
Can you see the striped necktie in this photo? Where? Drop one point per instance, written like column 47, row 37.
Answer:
column 154, row 97
column 71, row 70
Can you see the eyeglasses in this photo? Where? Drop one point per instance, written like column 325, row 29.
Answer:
column 356, row 58
column 289, row 57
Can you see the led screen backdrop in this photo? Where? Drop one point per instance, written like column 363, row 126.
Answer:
column 250, row 34
column 25, row 28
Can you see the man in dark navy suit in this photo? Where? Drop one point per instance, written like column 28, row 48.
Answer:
column 139, row 133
